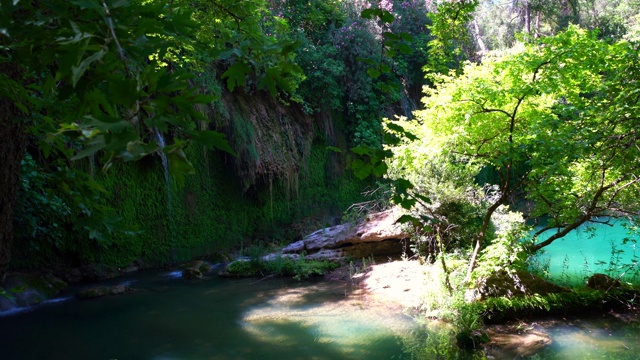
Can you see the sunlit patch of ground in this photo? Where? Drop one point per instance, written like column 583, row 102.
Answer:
column 348, row 311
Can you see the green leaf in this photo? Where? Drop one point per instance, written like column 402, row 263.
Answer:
column 402, row 185
column 374, row 73
column 380, row 169
column 334, row 149
column 236, row 75
column 387, row 17
column 362, row 150
column 212, row 140
column 179, row 165
column 395, row 127
column 370, row 13
column 78, row 71
column 390, row 36
column 404, row 219
column 289, row 48
column 405, row 49
column 406, row 37
column 78, row 36
column 361, row 169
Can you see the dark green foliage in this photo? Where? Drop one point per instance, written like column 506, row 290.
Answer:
column 283, row 266
column 567, row 303
column 212, row 213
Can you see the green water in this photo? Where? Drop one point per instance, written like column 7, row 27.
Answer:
column 602, row 337
column 593, row 248
column 170, row 318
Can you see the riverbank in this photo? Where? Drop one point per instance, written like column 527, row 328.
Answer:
column 405, row 287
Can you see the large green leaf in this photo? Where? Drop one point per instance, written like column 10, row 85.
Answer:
column 212, row 140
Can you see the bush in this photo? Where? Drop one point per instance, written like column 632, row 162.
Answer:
column 281, row 266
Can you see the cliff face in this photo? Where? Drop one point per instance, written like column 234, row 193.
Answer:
column 282, row 184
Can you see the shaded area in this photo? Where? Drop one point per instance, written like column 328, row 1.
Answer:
column 211, row 318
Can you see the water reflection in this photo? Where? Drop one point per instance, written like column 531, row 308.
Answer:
column 167, row 318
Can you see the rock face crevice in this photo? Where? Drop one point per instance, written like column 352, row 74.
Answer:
column 378, row 234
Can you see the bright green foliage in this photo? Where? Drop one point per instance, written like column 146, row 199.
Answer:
column 564, row 111
column 449, row 33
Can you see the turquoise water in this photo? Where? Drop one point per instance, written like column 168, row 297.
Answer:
column 593, row 248
column 213, row 318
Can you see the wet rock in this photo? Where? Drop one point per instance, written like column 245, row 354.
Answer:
column 191, row 273
column 603, row 282
column 196, row 270
column 519, row 344
column 29, row 289
column 99, row 291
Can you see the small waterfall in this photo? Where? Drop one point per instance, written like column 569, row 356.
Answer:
column 167, row 181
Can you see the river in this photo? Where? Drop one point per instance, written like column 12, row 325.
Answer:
column 171, row 318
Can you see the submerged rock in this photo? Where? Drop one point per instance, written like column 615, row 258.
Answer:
column 99, row 291
column 515, row 345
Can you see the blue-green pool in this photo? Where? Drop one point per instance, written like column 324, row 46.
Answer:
column 594, row 248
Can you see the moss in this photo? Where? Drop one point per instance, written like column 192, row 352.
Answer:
column 574, row 302
column 282, row 266
column 214, row 212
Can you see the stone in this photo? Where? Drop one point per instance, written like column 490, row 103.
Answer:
column 191, row 273
column 518, row 345
column 327, row 254
column 196, row 269
column 603, row 282
column 376, row 227
column 274, row 257
column 514, row 284
column 294, row 247
column 92, row 292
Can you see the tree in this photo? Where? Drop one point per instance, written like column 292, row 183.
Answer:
column 502, row 22
column 557, row 122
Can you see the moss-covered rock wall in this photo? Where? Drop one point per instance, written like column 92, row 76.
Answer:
column 282, row 184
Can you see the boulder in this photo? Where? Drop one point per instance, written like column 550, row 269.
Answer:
column 376, row 227
column 196, row 270
column 516, row 283
column 274, row 257
column 327, row 254
column 603, row 282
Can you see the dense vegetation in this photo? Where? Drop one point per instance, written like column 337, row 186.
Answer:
column 247, row 94
column 152, row 132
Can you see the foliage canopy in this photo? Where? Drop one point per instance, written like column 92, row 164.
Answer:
column 557, row 122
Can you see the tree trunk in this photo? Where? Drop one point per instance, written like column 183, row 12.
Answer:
column 12, row 147
column 481, row 236
column 527, row 19
column 476, row 32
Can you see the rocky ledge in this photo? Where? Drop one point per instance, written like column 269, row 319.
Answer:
column 378, row 234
